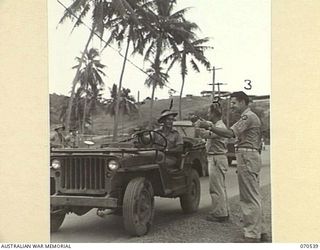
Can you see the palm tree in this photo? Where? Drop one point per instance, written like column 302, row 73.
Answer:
column 90, row 79
column 132, row 36
column 195, row 49
column 123, row 18
column 172, row 30
column 126, row 102
column 104, row 15
column 130, row 27
column 77, row 10
column 156, row 78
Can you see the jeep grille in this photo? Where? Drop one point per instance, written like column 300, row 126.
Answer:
column 83, row 175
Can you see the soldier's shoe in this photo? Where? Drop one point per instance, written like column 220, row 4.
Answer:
column 220, row 219
column 264, row 237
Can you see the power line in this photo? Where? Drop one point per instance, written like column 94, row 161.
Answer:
column 106, row 43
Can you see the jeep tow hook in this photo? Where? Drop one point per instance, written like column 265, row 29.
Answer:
column 101, row 212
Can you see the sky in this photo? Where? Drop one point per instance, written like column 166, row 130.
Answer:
column 239, row 31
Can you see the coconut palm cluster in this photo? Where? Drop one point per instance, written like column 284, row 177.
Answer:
column 155, row 29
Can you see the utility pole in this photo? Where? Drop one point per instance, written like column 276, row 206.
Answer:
column 228, row 103
column 219, row 93
column 228, row 112
column 213, row 80
column 218, row 84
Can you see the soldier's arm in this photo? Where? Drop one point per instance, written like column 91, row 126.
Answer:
column 206, row 134
column 240, row 126
column 179, row 144
column 224, row 132
column 176, row 149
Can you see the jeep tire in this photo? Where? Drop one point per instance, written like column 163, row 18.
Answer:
column 56, row 220
column 190, row 200
column 138, row 207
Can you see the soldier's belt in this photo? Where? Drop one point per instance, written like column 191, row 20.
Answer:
column 246, row 149
column 210, row 153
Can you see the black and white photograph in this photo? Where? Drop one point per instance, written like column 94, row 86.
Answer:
column 160, row 121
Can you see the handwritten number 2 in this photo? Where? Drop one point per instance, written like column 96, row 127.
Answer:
column 249, row 86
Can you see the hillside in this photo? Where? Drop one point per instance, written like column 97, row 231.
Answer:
column 103, row 124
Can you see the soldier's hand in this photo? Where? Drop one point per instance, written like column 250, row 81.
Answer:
column 197, row 123
column 205, row 124
column 194, row 119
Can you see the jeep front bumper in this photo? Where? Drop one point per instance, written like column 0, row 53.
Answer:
column 84, row 201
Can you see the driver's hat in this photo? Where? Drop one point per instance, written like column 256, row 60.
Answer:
column 166, row 113
column 56, row 127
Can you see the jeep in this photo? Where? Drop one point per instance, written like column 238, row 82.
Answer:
column 123, row 177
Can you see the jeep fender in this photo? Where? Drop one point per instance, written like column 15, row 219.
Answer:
column 152, row 172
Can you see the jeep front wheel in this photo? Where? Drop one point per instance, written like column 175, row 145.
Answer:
column 190, row 200
column 138, row 207
column 56, row 220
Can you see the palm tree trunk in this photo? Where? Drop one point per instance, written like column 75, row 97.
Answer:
column 180, row 97
column 116, row 116
column 151, row 104
column 78, row 121
column 157, row 70
column 84, row 114
column 74, row 82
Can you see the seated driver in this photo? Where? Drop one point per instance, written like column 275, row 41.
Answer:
column 174, row 140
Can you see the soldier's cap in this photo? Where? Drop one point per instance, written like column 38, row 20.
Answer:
column 166, row 113
column 56, row 127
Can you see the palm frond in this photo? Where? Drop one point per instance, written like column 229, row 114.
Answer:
column 180, row 13
column 83, row 13
column 194, row 65
column 98, row 16
column 73, row 10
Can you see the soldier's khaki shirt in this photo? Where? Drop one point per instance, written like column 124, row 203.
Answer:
column 173, row 138
column 57, row 140
column 217, row 145
column 248, row 130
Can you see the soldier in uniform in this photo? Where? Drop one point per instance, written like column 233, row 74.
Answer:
column 73, row 139
column 248, row 133
column 174, row 140
column 57, row 139
column 217, row 165
column 173, row 149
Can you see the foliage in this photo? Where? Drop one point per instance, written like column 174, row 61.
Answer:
column 154, row 29
column 195, row 50
column 169, row 30
column 113, row 15
column 198, row 106
column 91, row 83
column 127, row 104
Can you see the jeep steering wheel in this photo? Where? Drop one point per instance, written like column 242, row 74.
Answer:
column 147, row 137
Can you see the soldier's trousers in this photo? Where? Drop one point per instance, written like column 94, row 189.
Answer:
column 218, row 166
column 249, row 165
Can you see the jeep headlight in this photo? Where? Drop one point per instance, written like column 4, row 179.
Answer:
column 113, row 165
column 56, row 164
